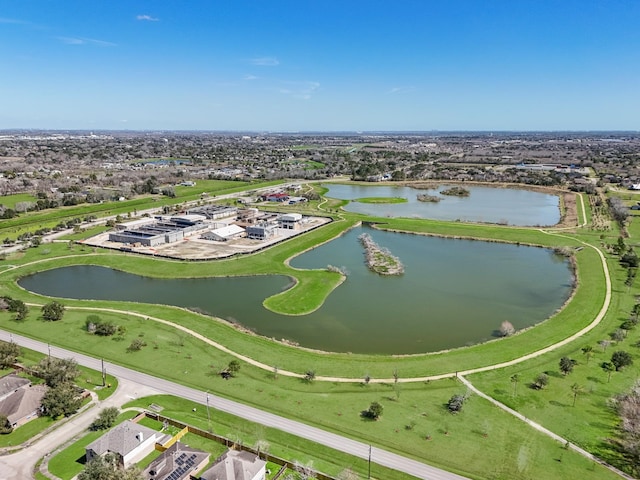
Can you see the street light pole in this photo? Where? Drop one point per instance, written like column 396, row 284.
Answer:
column 208, row 416
column 369, row 475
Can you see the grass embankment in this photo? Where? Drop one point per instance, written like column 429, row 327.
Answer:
column 381, row 200
column 340, row 403
column 313, row 287
column 31, row 221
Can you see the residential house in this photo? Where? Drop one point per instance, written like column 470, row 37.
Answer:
column 20, row 401
column 178, row 462
column 129, row 441
column 236, row 465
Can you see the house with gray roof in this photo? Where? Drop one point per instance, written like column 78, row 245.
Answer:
column 10, row 384
column 178, row 462
column 129, row 441
column 19, row 400
column 236, row 465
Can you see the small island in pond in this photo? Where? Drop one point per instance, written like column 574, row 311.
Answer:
column 378, row 259
column 423, row 197
column 456, row 192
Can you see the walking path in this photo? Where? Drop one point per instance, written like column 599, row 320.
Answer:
column 461, row 375
column 256, row 363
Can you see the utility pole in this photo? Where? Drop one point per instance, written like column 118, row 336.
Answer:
column 369, row 475
column 208, row 416
column 104, row 373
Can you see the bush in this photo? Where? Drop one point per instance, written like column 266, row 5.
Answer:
column 106, row 419
column 455, row 403
column 53, row 311
column 136, row 345
column 374, row 412
column 621, row 359
column 541, row 381
column 507, row 329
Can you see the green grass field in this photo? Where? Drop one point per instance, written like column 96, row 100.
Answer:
column 491, row 443
column 381, row 200
column 9, row 201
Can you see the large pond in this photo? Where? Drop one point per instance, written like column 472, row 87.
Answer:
column 506, row 206
column 453, row 293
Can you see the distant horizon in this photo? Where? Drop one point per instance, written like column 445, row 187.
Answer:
column 316, row 132
column 330, row 66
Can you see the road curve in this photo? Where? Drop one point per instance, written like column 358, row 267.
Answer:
column 340, row 443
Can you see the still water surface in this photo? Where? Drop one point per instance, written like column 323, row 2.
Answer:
column 484, row 204
column 453, row 293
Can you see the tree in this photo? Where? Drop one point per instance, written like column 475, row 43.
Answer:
column 630, row 259
column 55, row 371
column 53, row 311
column 374, row 412
column 618, row 335
column 17, row 306
column 9, row 353
column 107, row 468
column 106, row 419
column 507, row 329
column 628, row 407
column 566, row 365
column 608, row 367
column 456, row 403
column 515, row 378
column 604, row 344
column 588, row 352
column 541, row 381
column 5, row 426
column 576, row 389
column 621, row 359
column 61, row 400
column 233, row 367
column 310, row 376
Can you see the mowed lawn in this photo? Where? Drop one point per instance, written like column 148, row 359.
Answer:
column 414, row 421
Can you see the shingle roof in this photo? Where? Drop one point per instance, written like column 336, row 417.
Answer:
column 234, row 465
column 121, row 439
column 10, row 383
column 177, row 463
column 22, row 403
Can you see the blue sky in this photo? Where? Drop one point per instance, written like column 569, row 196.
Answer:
column 304, row 65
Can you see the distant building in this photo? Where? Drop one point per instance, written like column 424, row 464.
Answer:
column 225, row 233
column 276, row 197
column 290, row 221
column 214, row 212
column 161, row 231
column 235, row 465
column 261, row 231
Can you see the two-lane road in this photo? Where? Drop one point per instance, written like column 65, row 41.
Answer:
column 343, row 444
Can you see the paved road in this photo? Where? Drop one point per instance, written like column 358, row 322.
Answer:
column 20, row 465
column 144, row 381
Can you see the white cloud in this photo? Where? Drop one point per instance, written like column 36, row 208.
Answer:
column 147, row 18
column 395, row 90
column 265, row 61
column 250, row 77
column 13, row 21
column 301, row 90
column 85, row 41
